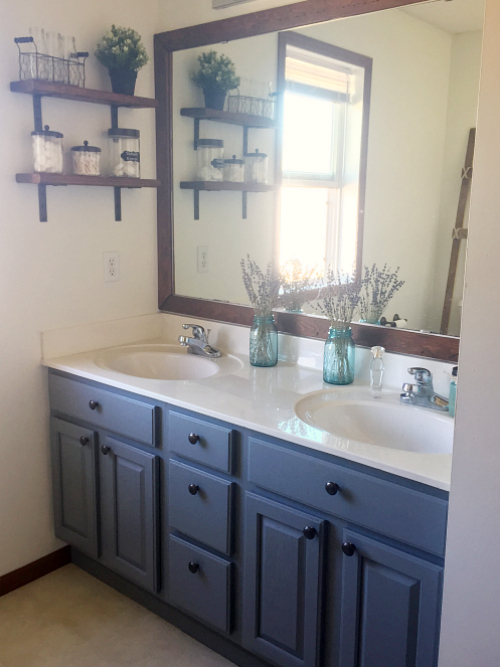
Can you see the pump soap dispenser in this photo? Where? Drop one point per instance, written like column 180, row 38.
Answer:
column 377, row 371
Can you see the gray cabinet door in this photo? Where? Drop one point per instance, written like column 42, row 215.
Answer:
column 129, row 511
column 74, row 485
column 390, row 606
column 283, row 573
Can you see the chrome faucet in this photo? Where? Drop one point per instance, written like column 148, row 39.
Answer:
column 198, row 344
column 422, row 391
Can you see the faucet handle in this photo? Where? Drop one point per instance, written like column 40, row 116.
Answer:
column 422, row 375
column 198, row 331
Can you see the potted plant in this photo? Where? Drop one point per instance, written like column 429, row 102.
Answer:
column 216, row 75
column 122, row 52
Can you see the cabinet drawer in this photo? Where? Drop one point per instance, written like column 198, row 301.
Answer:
column 201, row 441
column 200, row 583
column 200, row 506
column 410, row 516
column 129, row 417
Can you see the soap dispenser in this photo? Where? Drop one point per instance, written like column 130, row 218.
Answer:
column 377, row 371
column 453, row 391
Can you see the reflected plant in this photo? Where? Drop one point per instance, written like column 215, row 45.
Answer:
column 261, row 287
column 378, row 286
column 297, row 285
column 339, row 298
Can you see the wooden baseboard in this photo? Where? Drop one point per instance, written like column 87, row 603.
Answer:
column 39, row 568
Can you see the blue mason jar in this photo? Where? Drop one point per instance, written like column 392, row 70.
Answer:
column 338, row 360
column 263, row 341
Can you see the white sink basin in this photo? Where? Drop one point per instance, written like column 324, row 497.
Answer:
column 163, row 362
column 383, row 422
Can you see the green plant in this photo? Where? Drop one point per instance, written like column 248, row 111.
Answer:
column 216, row 72
column 121, row 48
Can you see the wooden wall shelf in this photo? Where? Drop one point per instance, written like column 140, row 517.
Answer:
column 77, row 94
column 219, row 186
column 110, row 181
column 243, row 119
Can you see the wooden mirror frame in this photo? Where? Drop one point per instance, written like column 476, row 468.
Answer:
column 277, row 19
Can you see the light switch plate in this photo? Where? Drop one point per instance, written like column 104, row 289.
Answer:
column 220, row 4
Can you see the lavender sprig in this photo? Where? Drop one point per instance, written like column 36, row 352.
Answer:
column 378, row 288
column 339, row 298
column 297, row 283
column 262, row 288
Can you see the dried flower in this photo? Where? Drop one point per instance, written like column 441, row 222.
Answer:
column 121, row 48
column 339, row 298
column 378, row 286
column 299, row 285
column 262, row 288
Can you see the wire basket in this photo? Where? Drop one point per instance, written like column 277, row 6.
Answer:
column 40, row 66
column 254, row 106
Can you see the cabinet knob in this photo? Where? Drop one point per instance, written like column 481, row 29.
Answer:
column 331, row 488
column 193, row 489
column 193, row 567
column 84, row 441
column 193, row 438
column 309, row 532
column 93, row 405
column 105, row 450
column 348, row 548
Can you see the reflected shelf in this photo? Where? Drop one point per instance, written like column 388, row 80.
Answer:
column 218, row 186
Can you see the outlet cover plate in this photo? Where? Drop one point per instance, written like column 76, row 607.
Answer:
column 111, row 267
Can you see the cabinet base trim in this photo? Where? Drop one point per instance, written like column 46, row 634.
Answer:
column 204, row 635
column 38, row 568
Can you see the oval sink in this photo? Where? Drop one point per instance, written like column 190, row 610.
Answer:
column 162, row 362
column 383, row 422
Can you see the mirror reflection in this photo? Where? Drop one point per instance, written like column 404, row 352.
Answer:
column 345, row 144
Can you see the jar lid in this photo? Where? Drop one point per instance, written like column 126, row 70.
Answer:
column 86, row 148
column 121, row 132
column 234, row 161
column 46, row 132
column 256, row 154
column 215, row 143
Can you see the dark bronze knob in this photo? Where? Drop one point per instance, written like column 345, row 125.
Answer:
column 93, row 405
column 348, row 548
column 105, row 450
column 193, row 438
column 84, row 441
column 193, row 489
column 331, row 488
column 309, row 532
column 193, row 567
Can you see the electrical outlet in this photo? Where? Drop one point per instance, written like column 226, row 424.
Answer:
column 202, row 259
column 111, row 267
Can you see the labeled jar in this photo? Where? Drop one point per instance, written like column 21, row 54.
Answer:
column 124, row 152
column 209, row 160
column 234, row 170
column 256, row 167
column 47, row 151
column 86, row 160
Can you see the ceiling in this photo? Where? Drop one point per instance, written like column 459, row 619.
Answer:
column 453, row 16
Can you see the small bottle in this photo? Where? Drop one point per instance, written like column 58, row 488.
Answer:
column 377, row 371
column 453, row 391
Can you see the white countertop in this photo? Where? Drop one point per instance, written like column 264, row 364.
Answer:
column 263, row 400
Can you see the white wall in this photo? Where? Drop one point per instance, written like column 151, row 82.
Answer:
column 471, row 606
column 51, row 274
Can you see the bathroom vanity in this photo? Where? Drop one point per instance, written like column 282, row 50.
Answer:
column 212, row 503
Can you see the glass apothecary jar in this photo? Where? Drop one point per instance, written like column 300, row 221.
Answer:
column 338, row 360
column 210, row 160
column 263, row 341
column 86, row 160
column 124, row 152
column 234, row 170
column 256, row 167
column 47, row 151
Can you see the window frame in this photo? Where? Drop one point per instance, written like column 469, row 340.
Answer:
column 300, row 41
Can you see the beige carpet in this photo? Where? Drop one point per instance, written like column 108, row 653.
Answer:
column 70, row 619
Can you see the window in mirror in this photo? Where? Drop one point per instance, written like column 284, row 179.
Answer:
column 325, row 101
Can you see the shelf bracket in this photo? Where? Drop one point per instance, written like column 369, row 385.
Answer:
column 37, row 112
column 196, row 133
column 244, row 205
column 196, row 194
column 245, row 140
column 114, row 118
column 118, row 204
column 42, row 202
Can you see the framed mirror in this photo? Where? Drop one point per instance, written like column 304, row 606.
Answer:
column 366, row 135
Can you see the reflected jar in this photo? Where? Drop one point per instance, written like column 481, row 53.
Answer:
column 338, row 360
column 263, row 341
